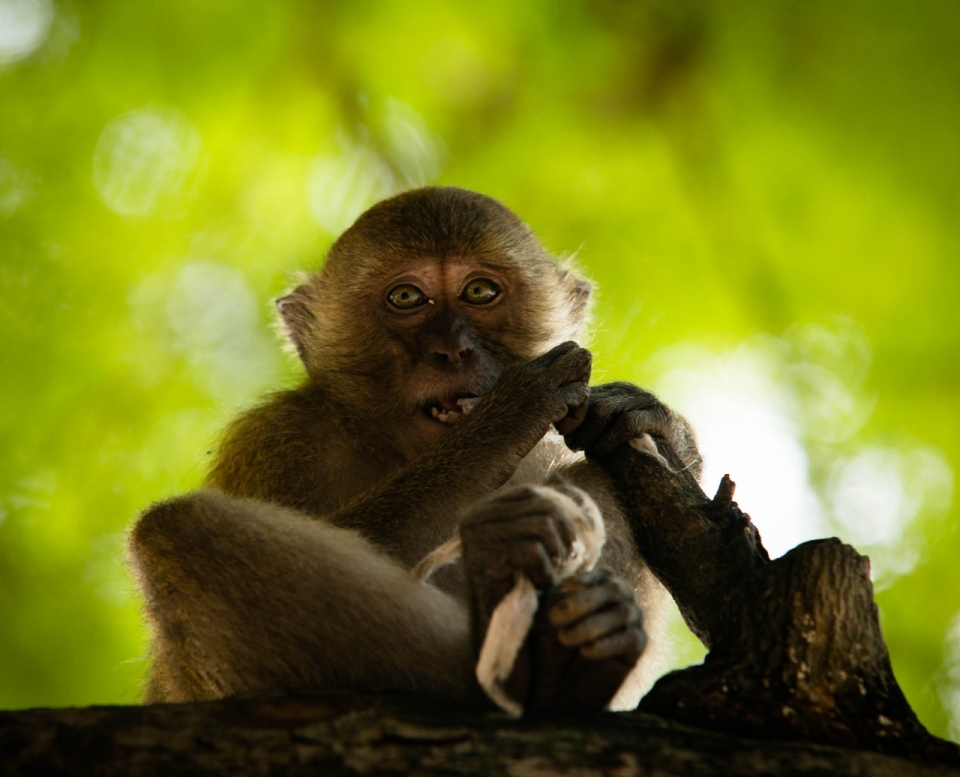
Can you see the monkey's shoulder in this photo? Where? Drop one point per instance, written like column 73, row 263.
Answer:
column 294, row 449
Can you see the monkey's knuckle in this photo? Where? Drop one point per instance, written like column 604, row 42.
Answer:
column 519, row 494
column 601, row 407
column 632, row 423
column 598, row 576
column 621, row 588
column 624, row 612
column 562, row 515
column 635, row 641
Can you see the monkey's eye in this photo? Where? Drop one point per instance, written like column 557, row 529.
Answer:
column 480, row 291
column 406, row 296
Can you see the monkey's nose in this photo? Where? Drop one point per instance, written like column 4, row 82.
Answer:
column 454, row 355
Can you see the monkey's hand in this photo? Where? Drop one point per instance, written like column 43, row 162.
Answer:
column 523, row 530
column 587, row 634
column 530, row 396
column 620, row 413
column 587, row 641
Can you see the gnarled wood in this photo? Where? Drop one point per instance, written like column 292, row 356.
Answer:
column 337, row 734
column 795, row 645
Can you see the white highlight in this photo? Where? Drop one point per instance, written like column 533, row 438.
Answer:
column 743, row 425
column 212, row 314
column 16, row 187
column 143, row 158
column 344, row 183
column 396, row 152
column 209, row 315
column 24, row 26
column 876, row 494
column 775, row 410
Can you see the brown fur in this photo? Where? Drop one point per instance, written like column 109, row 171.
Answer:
column 290, row 569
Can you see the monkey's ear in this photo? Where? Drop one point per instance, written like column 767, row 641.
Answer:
column 578, row 294
column 297, row 318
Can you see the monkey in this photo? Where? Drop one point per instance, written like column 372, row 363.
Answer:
column 291, row 568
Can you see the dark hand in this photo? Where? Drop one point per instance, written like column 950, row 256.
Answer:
column 620, row 412
column 595, row 613
column 551, row 389
column 525, row 530
column 586, row 639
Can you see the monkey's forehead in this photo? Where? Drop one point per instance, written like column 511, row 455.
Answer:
column 372, row 259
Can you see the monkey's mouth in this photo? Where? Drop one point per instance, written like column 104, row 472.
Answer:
column 451, row 408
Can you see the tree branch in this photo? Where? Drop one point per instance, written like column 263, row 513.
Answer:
column 352, row 734
column 796, row 651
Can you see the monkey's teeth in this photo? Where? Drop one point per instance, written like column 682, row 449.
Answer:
column 448, row 417
column 435, row 412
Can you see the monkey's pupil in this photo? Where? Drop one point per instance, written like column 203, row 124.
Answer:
column 481, row 292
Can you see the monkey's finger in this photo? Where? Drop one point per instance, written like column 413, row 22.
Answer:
column 627, row 644
column 574, row 606
column 546, row 516
column 602, row 412
column 559, row 358
column 656, row 421
column 532, row 560
column 599, row 624
column 586, row 432
column 510, row 542
column 608, row 401
column 570, row 397
column 557, row 351
column 571, row 366
column 620, row 395
column 573, row 418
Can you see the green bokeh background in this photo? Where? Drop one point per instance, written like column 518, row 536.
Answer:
column 726, row 171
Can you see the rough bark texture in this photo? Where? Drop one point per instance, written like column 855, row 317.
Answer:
column 796, row 651
column 346, row 734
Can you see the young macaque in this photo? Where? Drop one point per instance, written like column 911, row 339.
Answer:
column 292, row 567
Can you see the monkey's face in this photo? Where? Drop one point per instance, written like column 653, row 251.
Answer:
column 450, row 326
column 422, row 303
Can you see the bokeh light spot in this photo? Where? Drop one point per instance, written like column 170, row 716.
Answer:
column 875, row 496
column 780, row 415
column 143, row 157
column 16, row 187
column 398, row 153
column 212, row 315
column 744, row 428
column 343, row 183
column 24, row 25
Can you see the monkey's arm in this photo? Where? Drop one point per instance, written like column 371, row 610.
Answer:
column 411, row 511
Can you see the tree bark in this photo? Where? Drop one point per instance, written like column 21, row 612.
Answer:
column 352, row 734
column 795, row 648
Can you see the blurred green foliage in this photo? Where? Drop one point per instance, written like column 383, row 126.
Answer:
column 772, row 186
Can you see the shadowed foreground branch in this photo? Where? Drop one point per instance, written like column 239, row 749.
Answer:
column 796, row 651
column 349, row 734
